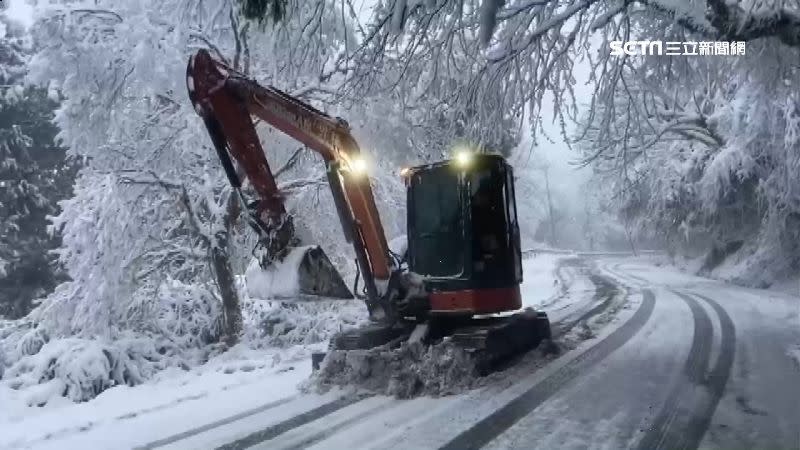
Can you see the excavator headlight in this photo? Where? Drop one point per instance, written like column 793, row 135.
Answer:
column 404, row 172
column 463, row 159
column 358, row 166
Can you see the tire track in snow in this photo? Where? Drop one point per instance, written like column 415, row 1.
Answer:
column 717, row 380
column 628, row 274
column 605, row 289
column 669, row 427
column 484, row 431
column 87, row 426
column 332, row 429
column 217, row 424
column 695, row 398
column 564, row 316
column 299, row 420
column 623, row 277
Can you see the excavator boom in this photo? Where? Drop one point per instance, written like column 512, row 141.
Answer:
column 227, row 100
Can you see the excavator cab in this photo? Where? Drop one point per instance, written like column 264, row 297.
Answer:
column 463, row 235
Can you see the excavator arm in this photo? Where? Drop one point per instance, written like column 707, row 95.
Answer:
column 227, row 100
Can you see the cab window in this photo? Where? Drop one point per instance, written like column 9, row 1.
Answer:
column 437, row 229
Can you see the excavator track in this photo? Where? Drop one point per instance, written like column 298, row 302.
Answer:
column 488, row 342
column 493, row 341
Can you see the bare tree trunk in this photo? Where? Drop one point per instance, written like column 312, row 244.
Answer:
column 630, row 238
column 550, row 207
column 220, row 260
column 220, row 256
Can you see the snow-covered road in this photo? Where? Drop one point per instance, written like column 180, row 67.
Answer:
column 653, row 358
column 740, row 381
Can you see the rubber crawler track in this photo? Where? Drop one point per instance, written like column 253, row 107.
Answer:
column 492, row 426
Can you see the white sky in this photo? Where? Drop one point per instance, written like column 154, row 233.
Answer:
column 565, row 177
column 20, row 11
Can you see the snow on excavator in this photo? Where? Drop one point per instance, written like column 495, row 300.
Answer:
column 463, row 263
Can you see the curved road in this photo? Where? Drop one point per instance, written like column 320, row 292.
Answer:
column 748, row 393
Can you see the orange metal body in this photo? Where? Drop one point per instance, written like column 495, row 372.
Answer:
column 476, row 301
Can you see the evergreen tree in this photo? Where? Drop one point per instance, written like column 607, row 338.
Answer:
column 34, row 176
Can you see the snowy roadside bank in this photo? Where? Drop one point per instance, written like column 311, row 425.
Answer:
column 122, row 416
column 175, row 400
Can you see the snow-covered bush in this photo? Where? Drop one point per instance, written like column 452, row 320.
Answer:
column 285, row 325
column 79, row 368
column 150, row 203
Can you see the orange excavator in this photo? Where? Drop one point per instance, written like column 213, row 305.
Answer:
column 460, row 273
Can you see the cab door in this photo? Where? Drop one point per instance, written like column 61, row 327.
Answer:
column 436, row 224
column 494, row 232
column 513, row 224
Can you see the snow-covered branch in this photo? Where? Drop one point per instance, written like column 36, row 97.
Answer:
column 732, row 22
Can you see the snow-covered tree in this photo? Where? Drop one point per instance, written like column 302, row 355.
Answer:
column 33, row 177
column 523, row 49
column 151, row 239
column 646, row 117
column 701, row 150
column 151, row 206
